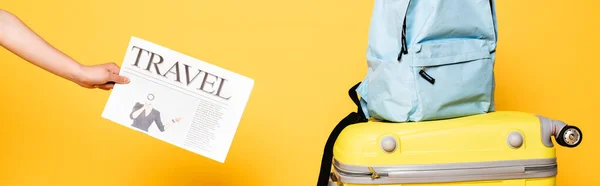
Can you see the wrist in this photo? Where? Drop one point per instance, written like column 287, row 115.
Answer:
column 75, row 73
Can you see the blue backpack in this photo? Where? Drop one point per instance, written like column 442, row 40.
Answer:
column 429, row 60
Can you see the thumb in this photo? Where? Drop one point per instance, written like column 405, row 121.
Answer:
column 118, row 79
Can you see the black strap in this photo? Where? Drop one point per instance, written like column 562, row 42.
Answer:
column 354, row 97
column 352, row 118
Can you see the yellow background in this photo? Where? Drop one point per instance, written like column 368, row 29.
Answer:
column 303, row 55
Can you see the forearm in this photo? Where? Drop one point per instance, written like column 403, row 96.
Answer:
column 171, row 123
column 168, row 125
column 18, row 38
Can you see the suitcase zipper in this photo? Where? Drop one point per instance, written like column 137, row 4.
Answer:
column 446, row 173
column 374, row 175
column 453, row 175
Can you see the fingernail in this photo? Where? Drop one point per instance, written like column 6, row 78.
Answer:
column 126, row 80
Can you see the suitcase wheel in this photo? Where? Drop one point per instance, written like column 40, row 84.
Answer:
column 569, row 136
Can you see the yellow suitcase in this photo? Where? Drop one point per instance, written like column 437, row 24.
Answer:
column 496, row 149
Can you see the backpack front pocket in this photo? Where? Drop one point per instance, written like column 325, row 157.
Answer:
column 390, row 91
column 453, row 77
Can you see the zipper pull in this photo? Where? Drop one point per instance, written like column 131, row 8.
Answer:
column 374, row 175
column 400, row 54
column 404, row 47
column 403, row 50
column 426, row 76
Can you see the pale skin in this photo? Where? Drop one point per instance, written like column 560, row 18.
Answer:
column 19, row 39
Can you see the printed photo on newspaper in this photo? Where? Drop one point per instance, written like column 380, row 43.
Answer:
column 179, row 99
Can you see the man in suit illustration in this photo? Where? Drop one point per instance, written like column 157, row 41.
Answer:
column 144, row 114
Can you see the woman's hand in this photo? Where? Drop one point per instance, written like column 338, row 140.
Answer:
column 102, row 76
column 148, row 105
column 18, row 38
column 176, row 120
column 172, row 122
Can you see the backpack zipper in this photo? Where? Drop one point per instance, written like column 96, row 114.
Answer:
column 426, row 76
column 404, row 50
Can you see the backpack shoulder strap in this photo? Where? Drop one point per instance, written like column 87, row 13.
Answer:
column 352, row 118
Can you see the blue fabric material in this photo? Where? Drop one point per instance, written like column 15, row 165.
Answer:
column 453, row 41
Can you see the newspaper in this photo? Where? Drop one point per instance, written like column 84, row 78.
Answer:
column 178, row 99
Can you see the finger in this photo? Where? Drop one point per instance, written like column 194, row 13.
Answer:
column 106, row 86
column 100, row 87
column 113, row 68
column 118, row 79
